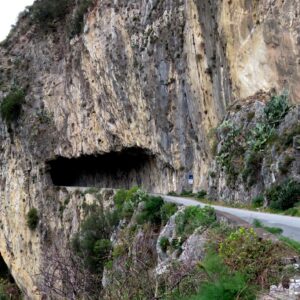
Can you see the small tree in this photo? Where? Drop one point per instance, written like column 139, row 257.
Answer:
column 32, row 218
column 11, row 105
column 46, row 11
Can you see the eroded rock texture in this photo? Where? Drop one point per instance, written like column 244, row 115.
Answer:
column 149, row 75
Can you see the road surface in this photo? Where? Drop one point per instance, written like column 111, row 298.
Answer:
column 289, row 225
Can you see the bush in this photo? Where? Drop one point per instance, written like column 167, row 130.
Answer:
column 201, row 194
column 11, row 105
column 193, row 217
column 222, row 283
column 44, row 12
column 276, row 109
column 294, row 211
column 164, row 243
column 273, row 230
column 258, row 201
column 167, row 210
column 92, row 242
column 260, row 136
column 172, row 193
column 151, row 211
column 185, row 193
column 230, row 155
column 244, row 250
column 127, row 200
column 77, row 23
column 284, row 196
column 32, row 218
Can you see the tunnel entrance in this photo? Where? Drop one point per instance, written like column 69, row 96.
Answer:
column 124, row 169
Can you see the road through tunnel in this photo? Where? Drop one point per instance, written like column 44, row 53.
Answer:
column 123, row 169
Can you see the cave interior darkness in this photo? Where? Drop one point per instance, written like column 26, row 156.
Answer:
column 123, row 169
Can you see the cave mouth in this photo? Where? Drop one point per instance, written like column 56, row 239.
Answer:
column 122, row 169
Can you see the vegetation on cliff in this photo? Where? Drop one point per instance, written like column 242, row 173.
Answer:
column 32, row 218
column 11, row 105
column 244, row 148
column 119, row 247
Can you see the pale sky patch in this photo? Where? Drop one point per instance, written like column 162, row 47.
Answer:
column 9, row 11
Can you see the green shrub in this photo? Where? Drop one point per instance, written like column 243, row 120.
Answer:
column 230, row 155
column 252, row 168
column 185, row 193
column 221, row 283
column 201, row 194
column 127, row 200
column 273, row 230
column 291, row 243
column 260, row 136
column 11, row 105
column 44, row 12
column 176, row 243
column 258, row 201
column 230, row 144
column 32, row 218
column 77, row 22
column 257, row 224
column 102, row 247
column 294, row 211
column 244, row 250
column 167, row 210
column 193, row 217
column 172, row 193
column 284, row 196
column 151, row 211
column 92, row 242
column 164, row 243
column 276, row 109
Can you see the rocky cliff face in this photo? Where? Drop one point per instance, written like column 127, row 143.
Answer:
column 145, row 81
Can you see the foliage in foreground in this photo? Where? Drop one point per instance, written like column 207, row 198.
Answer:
column 244, row 250
column 222, row 283
column 237, row 263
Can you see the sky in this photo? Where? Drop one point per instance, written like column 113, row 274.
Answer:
column 9, row 11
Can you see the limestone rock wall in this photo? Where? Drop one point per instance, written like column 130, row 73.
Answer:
column 151, row 74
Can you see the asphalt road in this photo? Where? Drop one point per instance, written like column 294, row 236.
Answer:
column 289, row 225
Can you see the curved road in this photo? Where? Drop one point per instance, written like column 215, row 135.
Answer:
column 289, row 225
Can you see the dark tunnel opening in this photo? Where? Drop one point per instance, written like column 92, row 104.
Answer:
column 122, row 169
